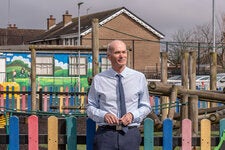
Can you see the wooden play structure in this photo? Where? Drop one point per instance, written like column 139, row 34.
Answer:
column 188, row 127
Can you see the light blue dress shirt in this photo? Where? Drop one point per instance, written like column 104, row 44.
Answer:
column 102, row 97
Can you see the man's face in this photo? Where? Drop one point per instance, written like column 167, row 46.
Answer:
column 118, row 55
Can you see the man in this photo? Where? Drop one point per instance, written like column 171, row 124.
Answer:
column 118, row 131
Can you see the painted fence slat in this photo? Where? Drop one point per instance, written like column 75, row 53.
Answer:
column 148, row 134
column 90, row 128
column 221, row 144
column 52, row 133
column 222, row 126
column 50, row 99
column 71, row 98
column 29, row 100
column 61, row 100
column 45, row 100
column 32, row 132
column 14, row 133
column 157, row 105
column 13, row 99
column 23, row 99
column 66, row 100
column 71, row 131
column 205, row 134
column 82, row 102
column 186, row 134
column 1, row 99
column 7, row 98
column 167, row 134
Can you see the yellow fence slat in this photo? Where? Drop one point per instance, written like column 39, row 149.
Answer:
column 205, row 134
column 52, row 133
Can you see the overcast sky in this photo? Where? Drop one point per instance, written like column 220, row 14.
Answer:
column 167, row 16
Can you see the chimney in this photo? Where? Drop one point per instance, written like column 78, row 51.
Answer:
column 50, row 22
column 67, row 18
column 10, row 26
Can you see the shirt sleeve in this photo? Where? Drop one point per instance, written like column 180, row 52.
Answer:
column 144, row 107
column 93, row 108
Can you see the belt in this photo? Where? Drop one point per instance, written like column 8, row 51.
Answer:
column 116, row 128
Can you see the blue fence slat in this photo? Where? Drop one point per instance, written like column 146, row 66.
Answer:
column 13, row 98
column 156, row 105
column 167, row 134
column 14, row 133
column 71, row 131
column 71, row 100
column 90, row 129
column 29, row 99
column 7, row 98
column 148, row 134
column 50, row 99
column 222, row 126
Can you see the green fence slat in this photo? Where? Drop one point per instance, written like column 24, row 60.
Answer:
column 148, row 134
column 71, row 131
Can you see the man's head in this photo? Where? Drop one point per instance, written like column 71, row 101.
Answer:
column 117, row 54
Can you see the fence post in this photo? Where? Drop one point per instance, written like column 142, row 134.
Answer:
column 167, row 134
column 71, row 132
column 148, row 134
column 14, row 133
column 33, row 132
column 91, row 128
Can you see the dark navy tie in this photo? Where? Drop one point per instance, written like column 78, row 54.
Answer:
column 122, row 100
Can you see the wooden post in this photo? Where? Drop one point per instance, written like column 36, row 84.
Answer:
column 213, row 73
column 184, row 73
column 193, row 100
column 95, row 47
column 33, row 79
column 172, row 105
column 164, row 57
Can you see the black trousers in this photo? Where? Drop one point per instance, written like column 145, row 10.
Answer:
column 110, row 139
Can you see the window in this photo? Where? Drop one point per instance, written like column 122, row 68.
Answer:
column 106, row 64
column 44, row 65
column 3, row 69
column 77, row 67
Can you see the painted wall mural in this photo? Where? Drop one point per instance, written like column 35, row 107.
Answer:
column 18, row 69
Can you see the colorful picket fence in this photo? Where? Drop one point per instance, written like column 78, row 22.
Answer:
column 63, row 100
column 149, row 140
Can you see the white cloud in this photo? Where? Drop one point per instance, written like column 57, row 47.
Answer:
column 61, row 64
column 25, row 60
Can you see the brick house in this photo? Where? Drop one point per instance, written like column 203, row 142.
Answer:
column 119, row 23
column 14, row 36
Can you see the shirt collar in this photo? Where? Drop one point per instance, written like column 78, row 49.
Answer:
column 123, row 73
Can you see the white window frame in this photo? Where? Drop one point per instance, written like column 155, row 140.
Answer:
column 75, row 68
column 105, row 63
column 3, row 69
column 44, row 65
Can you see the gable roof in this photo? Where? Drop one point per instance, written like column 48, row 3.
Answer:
column 14, row 36
column 71, row 29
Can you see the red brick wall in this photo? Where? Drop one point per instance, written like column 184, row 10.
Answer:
column 144, row 53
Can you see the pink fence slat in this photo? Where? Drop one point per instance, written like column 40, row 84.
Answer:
column 33, row 132
column 151, row 98
column 23, row 99
column 66, row 100
column 45, row 99
column 1, row 99
column 186, row 134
